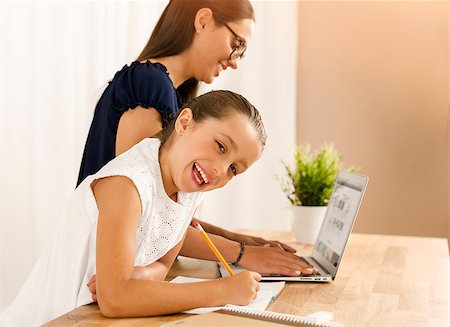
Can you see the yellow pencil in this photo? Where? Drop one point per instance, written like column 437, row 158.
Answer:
column 213, row 247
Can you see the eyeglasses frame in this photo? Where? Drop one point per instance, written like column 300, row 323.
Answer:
column 241, row 42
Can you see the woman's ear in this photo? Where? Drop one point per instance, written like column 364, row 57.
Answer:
column 184, row 121
column 203, row 17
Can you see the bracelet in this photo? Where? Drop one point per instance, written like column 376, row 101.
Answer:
column 240, row 255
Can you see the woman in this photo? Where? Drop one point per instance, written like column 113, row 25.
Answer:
column 194, row 40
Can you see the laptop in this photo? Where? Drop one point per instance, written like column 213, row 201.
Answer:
column 337, row 225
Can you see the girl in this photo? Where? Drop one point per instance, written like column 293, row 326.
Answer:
column 194, row 40
column 127, row 222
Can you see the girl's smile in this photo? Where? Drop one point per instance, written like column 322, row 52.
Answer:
column 207, row 155
column 199, row 175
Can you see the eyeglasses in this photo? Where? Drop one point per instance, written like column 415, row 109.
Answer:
column 238, row 50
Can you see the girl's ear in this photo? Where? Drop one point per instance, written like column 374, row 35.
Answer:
column 203, row 17
column 184, row 121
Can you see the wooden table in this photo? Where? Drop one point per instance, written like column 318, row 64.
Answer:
column 383, row 281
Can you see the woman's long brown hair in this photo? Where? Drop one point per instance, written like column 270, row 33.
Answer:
column 175, row 31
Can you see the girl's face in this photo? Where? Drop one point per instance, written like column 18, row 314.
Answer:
column 207, row 155
column 214, row 44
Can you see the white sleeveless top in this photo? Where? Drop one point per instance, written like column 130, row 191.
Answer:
column 58, row 281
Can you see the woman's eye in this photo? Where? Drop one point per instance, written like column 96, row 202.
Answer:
column 221, row 146
column 233, row 169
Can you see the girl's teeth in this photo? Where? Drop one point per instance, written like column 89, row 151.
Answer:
column 202, row 173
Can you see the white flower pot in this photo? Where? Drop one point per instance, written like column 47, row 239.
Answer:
column 306, row 222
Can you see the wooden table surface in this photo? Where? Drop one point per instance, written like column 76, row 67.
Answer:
column 384, row 280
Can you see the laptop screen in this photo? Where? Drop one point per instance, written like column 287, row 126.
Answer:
column 339, row 219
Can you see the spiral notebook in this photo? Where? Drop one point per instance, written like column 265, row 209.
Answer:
column 267, row 293
column 232, row 315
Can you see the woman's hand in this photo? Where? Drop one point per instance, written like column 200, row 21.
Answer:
column 240, row 289
column 257, row 241
column 274, row 260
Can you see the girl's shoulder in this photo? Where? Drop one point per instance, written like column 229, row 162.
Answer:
column 139, row 164
column 142, row 155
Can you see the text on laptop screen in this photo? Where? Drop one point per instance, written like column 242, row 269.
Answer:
column 339, row 219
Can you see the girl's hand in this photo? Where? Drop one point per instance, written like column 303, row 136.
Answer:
column 272, row 260
column 92, row 284
column 240, row 289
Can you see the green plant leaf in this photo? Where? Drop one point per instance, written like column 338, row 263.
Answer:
column 310, row 180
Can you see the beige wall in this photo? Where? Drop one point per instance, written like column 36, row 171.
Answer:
column 373, row 80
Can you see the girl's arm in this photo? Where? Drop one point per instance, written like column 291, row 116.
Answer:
column 155, row 271
column 119, row 293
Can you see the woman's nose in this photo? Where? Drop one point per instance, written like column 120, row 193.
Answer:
column 233, row 63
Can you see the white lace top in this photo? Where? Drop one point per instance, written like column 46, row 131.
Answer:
column 163, row 221
column 58, row 281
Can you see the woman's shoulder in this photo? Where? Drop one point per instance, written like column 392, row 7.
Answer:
column 146, row 72
column 146, row 84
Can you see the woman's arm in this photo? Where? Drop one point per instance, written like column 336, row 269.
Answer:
column 135, row 125
column 247, row 239
column 265, row 260
column 121, row 295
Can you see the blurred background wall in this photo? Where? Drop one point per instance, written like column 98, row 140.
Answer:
column 373, row 79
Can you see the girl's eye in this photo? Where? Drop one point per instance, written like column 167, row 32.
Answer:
column 221, row 146
column 233, row 169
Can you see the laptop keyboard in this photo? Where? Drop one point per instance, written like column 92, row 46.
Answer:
column 310, row 275
column 302, row 275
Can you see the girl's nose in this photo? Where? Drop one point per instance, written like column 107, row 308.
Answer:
column 221, row 170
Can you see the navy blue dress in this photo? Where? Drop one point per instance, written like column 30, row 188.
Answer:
column 140, row 84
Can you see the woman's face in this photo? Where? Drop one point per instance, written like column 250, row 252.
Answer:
column 214, row 44
column 207, row 155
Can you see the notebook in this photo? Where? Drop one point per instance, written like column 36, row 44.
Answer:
column 232, row 315
column 266, row 294
column 336, row 228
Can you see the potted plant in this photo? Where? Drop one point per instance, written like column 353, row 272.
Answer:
column 308, row 186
